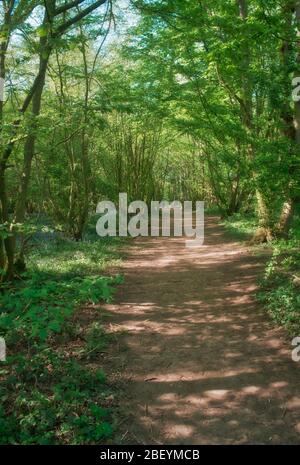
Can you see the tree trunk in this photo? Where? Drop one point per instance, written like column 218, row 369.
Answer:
column 264, row 232
column 285, row 219
column 29, row 146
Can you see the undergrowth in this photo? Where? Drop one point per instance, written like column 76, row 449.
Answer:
column 51, row 390
column 240, row 226
column 280, row 285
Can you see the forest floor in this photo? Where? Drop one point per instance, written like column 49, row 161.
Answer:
column 201, row 360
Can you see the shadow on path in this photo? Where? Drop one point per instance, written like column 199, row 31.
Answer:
column 204, row 362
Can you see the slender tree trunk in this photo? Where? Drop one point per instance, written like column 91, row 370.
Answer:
column 6, row 259
column 33, row 96
column 286, row 218
column 264, row 232
column 297, row 74
column 7, row 244
column 296, row 198
column 29, row 146
column 290, row 117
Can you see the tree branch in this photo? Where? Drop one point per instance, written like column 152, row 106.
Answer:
column 67, row 24
column 67, row 6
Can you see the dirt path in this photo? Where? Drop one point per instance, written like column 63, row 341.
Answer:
column 204, row 362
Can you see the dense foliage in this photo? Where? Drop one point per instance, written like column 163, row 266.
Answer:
column 162, row 99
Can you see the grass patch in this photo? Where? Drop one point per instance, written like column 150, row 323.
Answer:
column 53, row 389
column 239, row 226
column 280, row 286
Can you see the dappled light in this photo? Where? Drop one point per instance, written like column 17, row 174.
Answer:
column 205, row 364
column 127, row 127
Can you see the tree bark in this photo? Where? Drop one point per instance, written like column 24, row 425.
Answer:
column 291, row 117
column 264, row 232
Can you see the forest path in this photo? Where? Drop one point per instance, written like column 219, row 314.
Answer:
column 204, row 362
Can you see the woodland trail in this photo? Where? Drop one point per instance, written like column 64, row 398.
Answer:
column 203, row 361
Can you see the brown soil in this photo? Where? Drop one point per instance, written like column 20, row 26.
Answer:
column 202, row 360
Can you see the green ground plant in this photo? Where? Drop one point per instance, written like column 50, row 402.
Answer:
column 280, row 284
column 51, row 393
